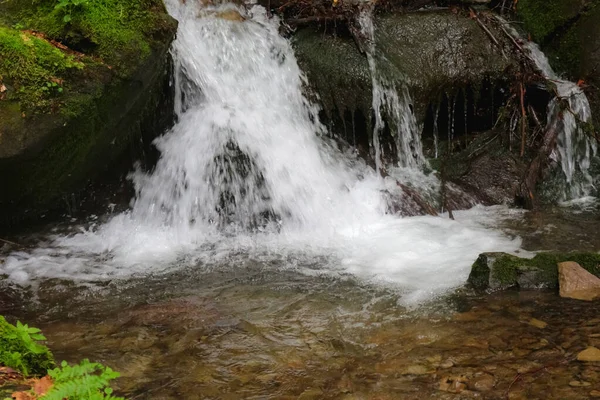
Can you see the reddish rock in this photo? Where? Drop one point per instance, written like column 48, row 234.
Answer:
column 577, row 283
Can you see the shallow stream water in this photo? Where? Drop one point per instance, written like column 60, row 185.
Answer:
column 284, row 329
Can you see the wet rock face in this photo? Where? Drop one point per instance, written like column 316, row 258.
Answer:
column 434, row 52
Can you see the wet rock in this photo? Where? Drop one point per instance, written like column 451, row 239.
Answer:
column 577, row 283
column 499, row 271
column 595, row 393
column 230, row 15
column 569, row 34
column 453, row 384
column 591, row 354
column 579, row 384
column 537, row 323
column 416, row 370
column 311, row 394
column 482, row 382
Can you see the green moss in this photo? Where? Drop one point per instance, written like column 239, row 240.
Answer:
column 544, row 17
column 32, row 69
column 501, row 270
column 20, row 350
column 116, row 31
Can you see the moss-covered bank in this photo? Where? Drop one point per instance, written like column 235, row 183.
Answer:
column 81, row 83
column 500, row 270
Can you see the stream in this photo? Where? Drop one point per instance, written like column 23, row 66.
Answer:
column 258, row 261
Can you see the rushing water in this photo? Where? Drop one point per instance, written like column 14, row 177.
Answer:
column 244, row 173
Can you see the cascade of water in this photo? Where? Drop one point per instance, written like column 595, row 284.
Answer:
column 389, row 103
column 568, row 111
column 243, row 173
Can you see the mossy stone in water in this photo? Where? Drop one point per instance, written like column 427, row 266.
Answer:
column 497, row 271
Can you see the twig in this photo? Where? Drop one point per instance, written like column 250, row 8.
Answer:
column 485, row 28
column 11, row 243
column 523, row 119
column 519, row 376
column 310, row 20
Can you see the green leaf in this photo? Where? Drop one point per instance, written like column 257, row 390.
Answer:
column 67, row 18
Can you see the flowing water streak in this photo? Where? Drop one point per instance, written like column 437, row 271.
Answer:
column 244, row 175
column 568, row 111
column 389, row 103
column 575, row 148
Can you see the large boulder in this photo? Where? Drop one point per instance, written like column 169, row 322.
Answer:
column 81, row 84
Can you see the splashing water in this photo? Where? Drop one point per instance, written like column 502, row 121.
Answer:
column 391, row 104
column 244, row 173
column 568, row 112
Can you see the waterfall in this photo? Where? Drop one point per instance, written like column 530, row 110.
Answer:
column 245, row 173
column 388, row 102
column 574, row 147
column 568, row 112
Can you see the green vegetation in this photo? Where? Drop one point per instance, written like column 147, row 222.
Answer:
column 20, row 350
column 68, row 6
column 86, row 381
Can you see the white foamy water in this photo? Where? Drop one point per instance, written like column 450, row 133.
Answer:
column 568, row 111
column 243, row 173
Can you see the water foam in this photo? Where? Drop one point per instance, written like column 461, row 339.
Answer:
column 244, row 173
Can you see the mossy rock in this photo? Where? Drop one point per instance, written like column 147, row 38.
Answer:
column 497, row 271
column 20, row 350
column 67, row 112
column 569, row 33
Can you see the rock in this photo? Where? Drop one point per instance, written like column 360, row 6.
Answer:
column 433, row 53
column 482, row 382
column 577, row 283
column 591, row 354
column 453, row 384
column 52, row 145
column 499, row 271
column 537, row 323
column 595, row 393
column 311, row 394
column 579, row 384
column 230, row 15
column 415, row 370
column 569, row 33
